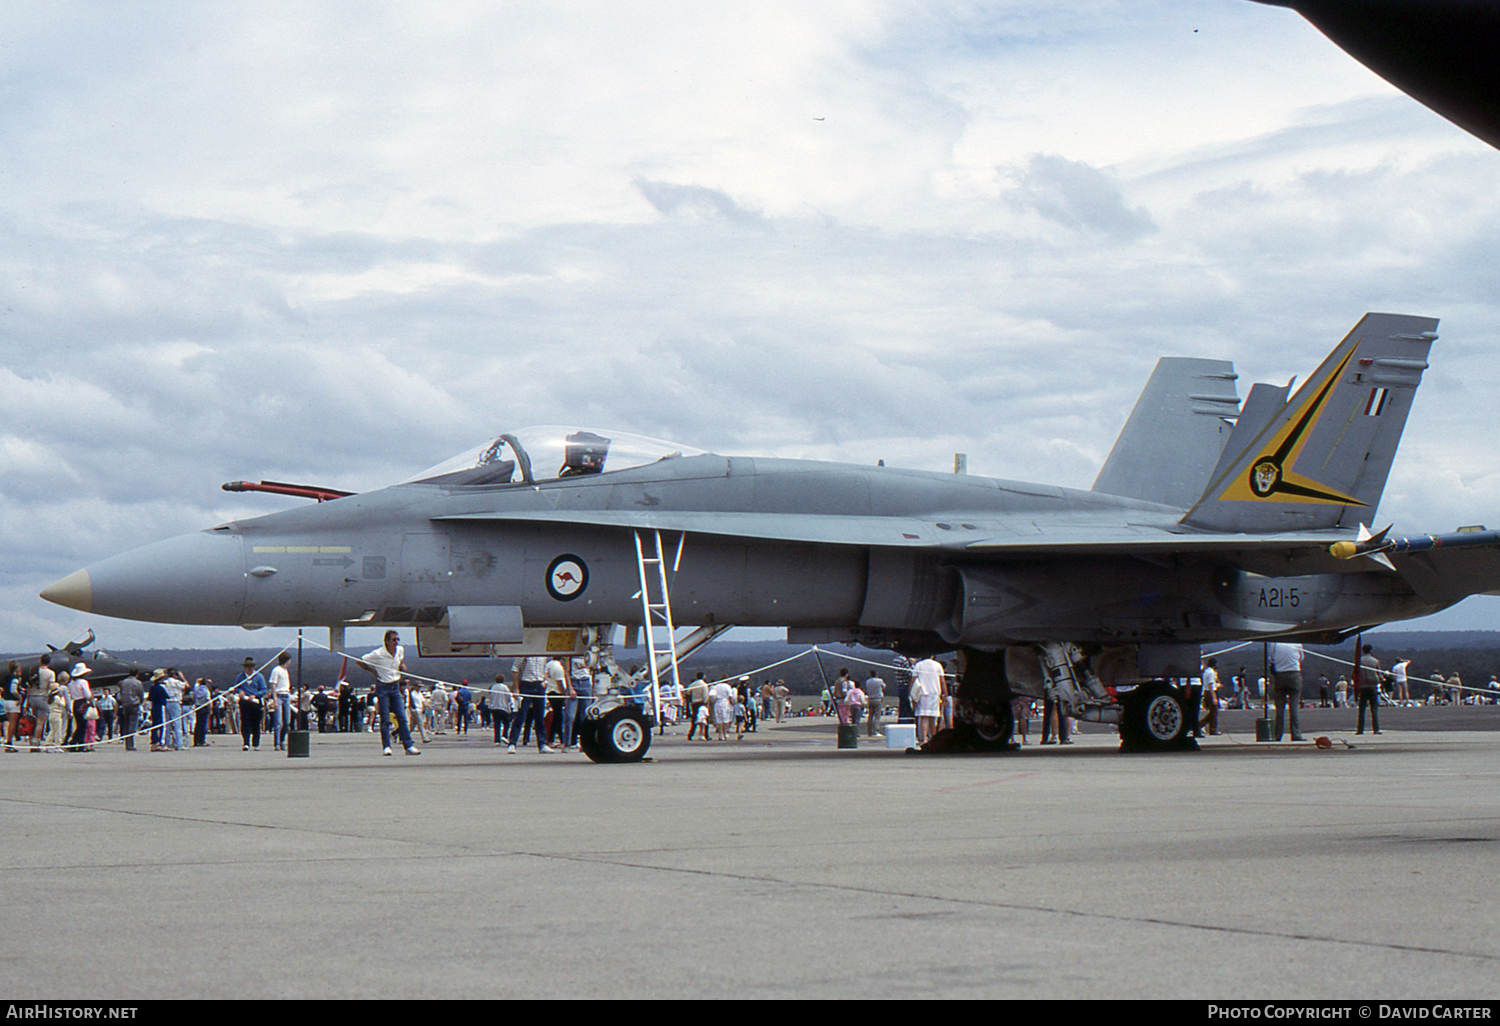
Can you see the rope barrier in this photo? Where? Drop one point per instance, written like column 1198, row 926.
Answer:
column 670, row 693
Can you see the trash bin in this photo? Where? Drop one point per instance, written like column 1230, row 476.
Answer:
column 298, row 744
column 1263, row 730
column 848, row 735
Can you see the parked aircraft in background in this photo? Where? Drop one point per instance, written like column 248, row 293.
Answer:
column 104, row 669
column 1209, row 522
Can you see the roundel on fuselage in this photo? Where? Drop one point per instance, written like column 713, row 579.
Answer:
column 567, row 577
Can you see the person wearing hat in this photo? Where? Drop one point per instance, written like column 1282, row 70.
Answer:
column 80, row 697
column 252, row 689
column 281, row 698
column 157, row 695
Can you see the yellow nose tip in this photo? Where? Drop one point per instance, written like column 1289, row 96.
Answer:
column 1343, row 549
column 75, row 591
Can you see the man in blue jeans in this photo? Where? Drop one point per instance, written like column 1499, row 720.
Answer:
column 386, row 663
column 281, row 698
column 528, row 676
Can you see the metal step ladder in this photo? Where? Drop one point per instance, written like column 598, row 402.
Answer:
column 657, row 613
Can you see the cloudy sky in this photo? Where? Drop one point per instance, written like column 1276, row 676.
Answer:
column 337, row 243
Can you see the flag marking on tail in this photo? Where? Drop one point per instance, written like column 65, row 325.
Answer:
column 1269, row 477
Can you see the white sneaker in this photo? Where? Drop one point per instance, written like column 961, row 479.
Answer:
column 413, row 751
column 510, row 750
column 386, row 752
column 547, row 750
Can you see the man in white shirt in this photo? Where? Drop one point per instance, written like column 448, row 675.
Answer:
column 176, row 736
column 1398, row 679
column 1211, row 693
column 528, row 675
column 281, row 700
column 386, row 663
column 1286, row 685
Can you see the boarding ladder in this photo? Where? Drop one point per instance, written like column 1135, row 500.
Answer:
column 657, row 613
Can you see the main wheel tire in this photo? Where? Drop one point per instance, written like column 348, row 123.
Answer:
column 996, row 735
column 621, row 735
column 1155, row 719
column 588, row 739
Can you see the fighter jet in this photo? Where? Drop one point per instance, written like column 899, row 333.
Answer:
column 1209, row 522
column 105, row 670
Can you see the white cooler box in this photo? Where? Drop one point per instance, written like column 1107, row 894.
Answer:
column 900, row 735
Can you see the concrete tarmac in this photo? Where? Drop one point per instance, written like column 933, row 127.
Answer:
column 776, row 866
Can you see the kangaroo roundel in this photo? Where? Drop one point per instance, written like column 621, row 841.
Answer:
column 567, row 576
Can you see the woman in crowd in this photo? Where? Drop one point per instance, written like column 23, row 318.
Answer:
column 414, row 707
column 57, row 710
column 11, row 685
column 721, row 699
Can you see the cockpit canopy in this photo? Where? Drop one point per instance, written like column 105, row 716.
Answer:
column 549, row 452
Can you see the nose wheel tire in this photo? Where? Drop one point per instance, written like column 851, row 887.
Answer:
column 620, row 735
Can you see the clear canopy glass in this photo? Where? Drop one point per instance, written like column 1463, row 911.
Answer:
column 548, row 452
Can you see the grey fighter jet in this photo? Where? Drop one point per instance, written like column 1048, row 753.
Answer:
column 1209, row 522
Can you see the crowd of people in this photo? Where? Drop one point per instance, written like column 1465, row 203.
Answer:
column 58, row 708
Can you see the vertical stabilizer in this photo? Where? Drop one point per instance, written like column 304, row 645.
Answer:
column 1174, row 435
column 1322, row 459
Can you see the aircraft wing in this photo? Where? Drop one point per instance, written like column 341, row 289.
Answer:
column 1065, row 535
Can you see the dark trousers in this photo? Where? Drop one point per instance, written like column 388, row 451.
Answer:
column 1051, row 712
column 79, row 723
column 200, row 727
column 129, row 714
column 250, row 722
column 1370, row 697
column 1286, row 693
column 158, row 717
column 1194, row 708
column 501, row 719
column 533, row 710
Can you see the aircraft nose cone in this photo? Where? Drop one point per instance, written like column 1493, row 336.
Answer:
column 196, row 579
column 74, row 591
